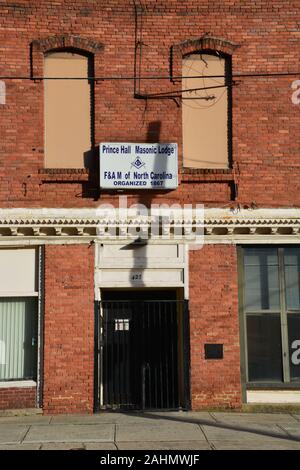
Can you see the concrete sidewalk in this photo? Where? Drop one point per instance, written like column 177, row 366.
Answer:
column 152, row 431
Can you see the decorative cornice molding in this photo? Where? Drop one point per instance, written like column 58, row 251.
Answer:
column 220, row 225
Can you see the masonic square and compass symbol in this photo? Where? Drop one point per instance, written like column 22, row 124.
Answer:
column 138, row 163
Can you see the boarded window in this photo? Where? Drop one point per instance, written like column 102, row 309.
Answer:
column 205, row 112
column 67, row 111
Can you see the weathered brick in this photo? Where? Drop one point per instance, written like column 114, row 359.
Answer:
column 265, row 154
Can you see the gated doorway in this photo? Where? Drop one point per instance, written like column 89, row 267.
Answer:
column 143, row 350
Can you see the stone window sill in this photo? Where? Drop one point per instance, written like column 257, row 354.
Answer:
column 18, row 384
column 202, row 174
column 205, row 171
column 64, row 174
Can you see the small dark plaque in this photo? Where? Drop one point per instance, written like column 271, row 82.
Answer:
column 213, row 351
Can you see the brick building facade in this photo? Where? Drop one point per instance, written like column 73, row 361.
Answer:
column 64, row 282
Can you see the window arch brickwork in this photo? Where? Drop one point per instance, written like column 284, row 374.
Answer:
column 192, row 45
column 39, row 47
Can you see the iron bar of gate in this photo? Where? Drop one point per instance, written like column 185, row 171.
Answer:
column 166, row 349
column 97, row 339
column 155, row 373
column 186, row 356
column 120, row 325
column 160, row 361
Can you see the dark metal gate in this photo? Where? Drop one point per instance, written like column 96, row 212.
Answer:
column 144, row 354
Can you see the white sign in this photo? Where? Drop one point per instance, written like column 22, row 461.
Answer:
column 138, row 166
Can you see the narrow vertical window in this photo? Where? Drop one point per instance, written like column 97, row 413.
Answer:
column 67, row 110
column 205, row 110
column 262, row 306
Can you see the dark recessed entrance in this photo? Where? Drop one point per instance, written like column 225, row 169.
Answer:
column 143, row 350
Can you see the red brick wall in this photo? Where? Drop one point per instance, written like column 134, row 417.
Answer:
column 214, row 319
column 266, row 140
column 69, row 329
column 15, row 398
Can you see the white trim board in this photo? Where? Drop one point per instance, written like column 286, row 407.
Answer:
column 18, row 384
column 273, row 396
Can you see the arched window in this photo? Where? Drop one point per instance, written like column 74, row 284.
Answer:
column 68, row 136
column 206, row 110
